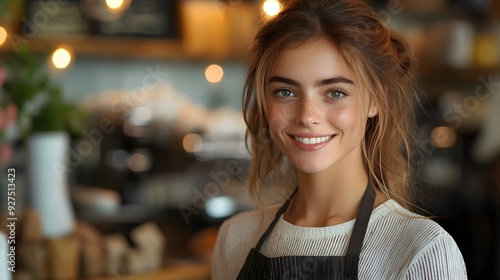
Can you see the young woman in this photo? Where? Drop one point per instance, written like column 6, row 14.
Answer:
column 332, row 88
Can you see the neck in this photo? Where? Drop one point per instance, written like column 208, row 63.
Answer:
column 331, row 196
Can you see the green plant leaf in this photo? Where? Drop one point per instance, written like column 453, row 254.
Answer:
column 27, row 79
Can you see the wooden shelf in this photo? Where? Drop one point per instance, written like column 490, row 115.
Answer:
column 120, row 47
column 442, row 74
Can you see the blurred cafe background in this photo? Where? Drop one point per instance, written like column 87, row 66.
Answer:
column 122, row 141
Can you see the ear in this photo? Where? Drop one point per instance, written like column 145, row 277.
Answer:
column 373, row 111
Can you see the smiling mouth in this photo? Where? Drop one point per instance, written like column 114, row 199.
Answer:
column 313, row 140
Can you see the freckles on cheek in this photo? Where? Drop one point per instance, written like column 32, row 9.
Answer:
column 277, row 117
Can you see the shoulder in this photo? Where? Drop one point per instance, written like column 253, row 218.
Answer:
column 236, row 237
column 392, row 220
column 414, row 245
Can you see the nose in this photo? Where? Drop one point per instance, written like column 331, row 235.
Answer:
column 308, row 113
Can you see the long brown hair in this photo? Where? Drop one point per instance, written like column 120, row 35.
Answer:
column 382, row 61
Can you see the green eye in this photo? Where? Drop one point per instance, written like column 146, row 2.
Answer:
column 337, row 94
column 284, row 93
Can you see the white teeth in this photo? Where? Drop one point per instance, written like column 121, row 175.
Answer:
column 312, row 141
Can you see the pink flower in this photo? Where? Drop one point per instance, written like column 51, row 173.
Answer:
column 8, row 116
column 5, row 154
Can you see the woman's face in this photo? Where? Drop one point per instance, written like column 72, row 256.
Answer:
column 316, row 110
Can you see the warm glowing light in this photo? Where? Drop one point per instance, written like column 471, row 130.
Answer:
column 61, row 58
column 114, row 4
column 3, row 35
column 271, row 7
column 443, row 137
column 214, row 73
column 192, row 143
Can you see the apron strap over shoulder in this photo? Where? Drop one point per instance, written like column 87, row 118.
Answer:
column 358, row 233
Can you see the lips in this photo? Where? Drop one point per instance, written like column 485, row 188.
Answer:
column 312, row 140
column 311, row 143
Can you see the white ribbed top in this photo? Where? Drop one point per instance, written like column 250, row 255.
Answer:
column 398, row 244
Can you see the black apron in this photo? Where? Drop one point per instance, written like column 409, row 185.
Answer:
column 258, row 266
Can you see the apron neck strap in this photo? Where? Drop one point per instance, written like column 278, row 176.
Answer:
column 358, row 232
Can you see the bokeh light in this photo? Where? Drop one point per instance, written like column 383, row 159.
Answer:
column 214, row 73
column 3, row 35
column 220, row 207
column 61, row 58
column 192, row 143
column 443, row 137
column 139, row 161
column 271, row 7
column 114, row 4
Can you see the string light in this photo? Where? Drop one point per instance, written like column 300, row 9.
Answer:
column 61, row 58
column 271, row 7
column 114, row 4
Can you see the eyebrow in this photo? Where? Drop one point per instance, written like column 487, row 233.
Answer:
column 329, row 81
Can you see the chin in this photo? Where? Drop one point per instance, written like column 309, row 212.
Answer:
column 311, row 168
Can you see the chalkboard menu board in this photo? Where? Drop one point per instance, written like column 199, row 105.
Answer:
column 148, row 18
column 140, row 18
